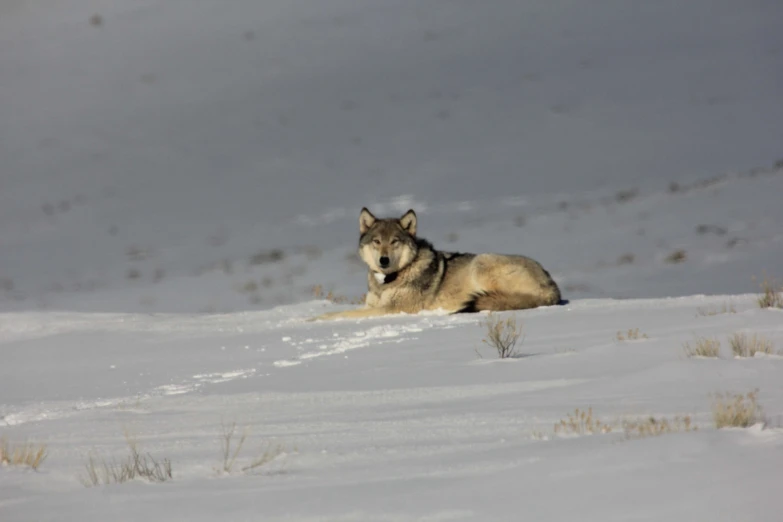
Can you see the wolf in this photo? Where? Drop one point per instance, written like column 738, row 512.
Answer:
column 407, row 274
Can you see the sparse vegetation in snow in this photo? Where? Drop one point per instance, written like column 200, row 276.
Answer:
column 99, row 471
column 653, row 427
column 502, row 334
column 725, row 308
column 702, row 347
column 232, row 444
column 736, row 411
column 771, row 294
column 581, row 422
column 24, row 454
column 632, row 334
column 747, row 345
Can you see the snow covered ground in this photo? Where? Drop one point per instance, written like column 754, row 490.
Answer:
column 392, row 419
column 176, row 176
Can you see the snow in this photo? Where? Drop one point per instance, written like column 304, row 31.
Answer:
column 178, row 176
column 400, row 418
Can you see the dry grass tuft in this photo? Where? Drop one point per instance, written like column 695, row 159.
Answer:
column 226, row 441
column 652, row 427
column 678, row 256
column 632, row 334
column 581, row 423
column 134, row 465
column 740, row 411
column 26, row 454
column 745, row 345
column 319, row 293
column 267, row 256
column 538, row 435
column 771, row 294
column 502, row 334
column 249, row 287
column 270, row 452
column 702, row 347
column 724, row 309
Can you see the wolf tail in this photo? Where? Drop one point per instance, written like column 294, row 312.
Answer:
column 499, row 301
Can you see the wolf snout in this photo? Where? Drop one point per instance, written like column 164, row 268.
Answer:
column 383, row 261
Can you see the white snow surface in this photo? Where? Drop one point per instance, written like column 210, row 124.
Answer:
column 177, row 176
column 397, row 418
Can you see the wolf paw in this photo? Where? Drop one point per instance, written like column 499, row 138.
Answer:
column 322, row 317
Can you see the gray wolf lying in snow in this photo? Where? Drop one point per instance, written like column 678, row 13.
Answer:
column 407, row 274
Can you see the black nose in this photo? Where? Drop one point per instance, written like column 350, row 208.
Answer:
column 383, row 261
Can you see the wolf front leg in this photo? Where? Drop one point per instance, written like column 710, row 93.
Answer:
column 357, row 313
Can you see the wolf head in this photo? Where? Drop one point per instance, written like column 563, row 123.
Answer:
column 387, row 245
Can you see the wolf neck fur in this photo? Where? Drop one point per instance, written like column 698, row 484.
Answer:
column 424, row 256
column 385, row 278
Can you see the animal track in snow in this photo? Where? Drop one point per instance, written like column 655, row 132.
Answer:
column 58, row 410
column 337, row 344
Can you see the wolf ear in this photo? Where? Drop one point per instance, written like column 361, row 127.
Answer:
column 408, row 222
column 366, row 220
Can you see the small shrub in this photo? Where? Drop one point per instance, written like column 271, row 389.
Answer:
column 581, row 423
column 632, row 334
column 744, row 345
column 226, row 441
column 26, row 454
column 739, row 411
column 624, row 196
column 702, row 347
column 652, row 427
column 678, row 256
column 724, row 309
column 270, row 452
column 249, row 287
column 267, row 256
column 502, row 334
column 134, row 465
column 771, row 294
column 538, row 435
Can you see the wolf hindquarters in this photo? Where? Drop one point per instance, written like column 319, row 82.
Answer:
column 500, row 302
column 508, row 282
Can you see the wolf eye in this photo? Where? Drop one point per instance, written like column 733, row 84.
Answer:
column 376, row 241
column 395, row 241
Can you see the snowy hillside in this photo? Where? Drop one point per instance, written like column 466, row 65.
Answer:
column 151, row 149
column 405, row 418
